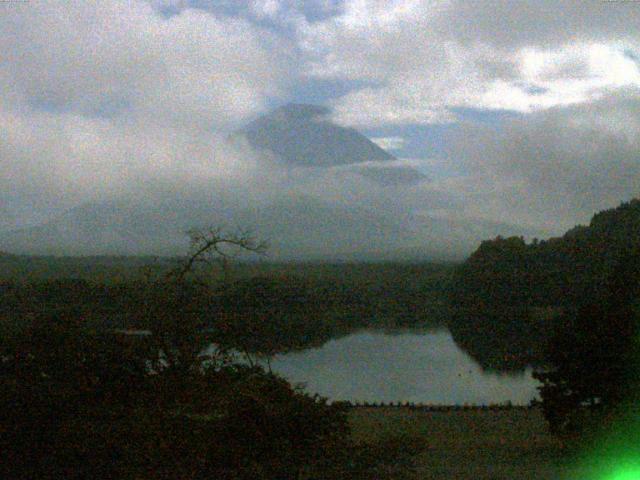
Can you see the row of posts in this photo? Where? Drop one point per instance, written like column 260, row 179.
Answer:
column 434, row 407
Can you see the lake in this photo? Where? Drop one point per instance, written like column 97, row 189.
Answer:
column 408, row 366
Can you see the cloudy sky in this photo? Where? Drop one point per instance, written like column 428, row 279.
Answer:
column 524, row 112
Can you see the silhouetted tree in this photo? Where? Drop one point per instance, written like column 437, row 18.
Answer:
column 595, row 356
column 177, row 305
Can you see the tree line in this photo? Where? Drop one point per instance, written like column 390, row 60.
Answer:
column 568, row 306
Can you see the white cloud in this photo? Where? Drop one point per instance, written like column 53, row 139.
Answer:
column 554, row 168
column 389, row 143
column 266, row 8
column 426, row 58
column 102, row 98
column 570, row 75
column 192, row 68
column 114, row 98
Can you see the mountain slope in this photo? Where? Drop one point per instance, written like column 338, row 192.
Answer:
column 296, row 227
column 301, row 135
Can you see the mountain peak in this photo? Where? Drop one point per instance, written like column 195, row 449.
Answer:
column 294, row 134
column 300, row 111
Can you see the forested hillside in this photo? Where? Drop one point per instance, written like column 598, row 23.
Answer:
column 509, row 293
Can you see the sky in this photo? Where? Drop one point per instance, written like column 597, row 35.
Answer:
column 516, row 111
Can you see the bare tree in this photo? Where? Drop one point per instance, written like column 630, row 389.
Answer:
column 177, row 304
column 215, row 245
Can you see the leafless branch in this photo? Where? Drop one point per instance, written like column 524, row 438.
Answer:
column 216, row 244
column 174, row 329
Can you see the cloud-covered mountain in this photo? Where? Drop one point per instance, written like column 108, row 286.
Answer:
column 311, row 188
column 533, row 124
column 303, row 135
column 297, row 228
column 396, row 175
column 293, row 226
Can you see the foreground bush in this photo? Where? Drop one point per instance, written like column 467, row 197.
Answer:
column 75, row 404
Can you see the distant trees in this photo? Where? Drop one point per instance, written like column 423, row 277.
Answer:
column 496, row 294
column 82, row 395
column 265, row 316
column 568, row 306
column 192, row 309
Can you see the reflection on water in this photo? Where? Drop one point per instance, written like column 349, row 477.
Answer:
column 407, row 367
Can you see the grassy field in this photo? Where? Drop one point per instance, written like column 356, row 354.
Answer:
column 475, row 445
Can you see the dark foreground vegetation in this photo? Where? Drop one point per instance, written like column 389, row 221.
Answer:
column 82, row 395
column 76, row 404
column 571, row 307
column 146, row 368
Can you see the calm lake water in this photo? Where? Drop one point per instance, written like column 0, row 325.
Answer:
column 423, row 367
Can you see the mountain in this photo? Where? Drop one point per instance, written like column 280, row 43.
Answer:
column 392, row 175
column 296, row 228
column 303, row 135
column 297, row 225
